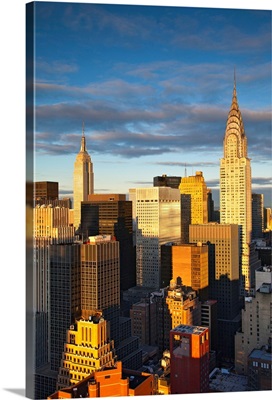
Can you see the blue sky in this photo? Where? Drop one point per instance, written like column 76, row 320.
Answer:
column 153, row 85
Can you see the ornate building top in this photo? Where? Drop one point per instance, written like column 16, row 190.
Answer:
column 235, row 141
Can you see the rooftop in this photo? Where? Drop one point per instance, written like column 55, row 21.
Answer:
column 196, row 330
column 261, row 354
column 227, row 382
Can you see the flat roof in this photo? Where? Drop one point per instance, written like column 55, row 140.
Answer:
column 261, row 354
column 227, row 382
column 196, row 330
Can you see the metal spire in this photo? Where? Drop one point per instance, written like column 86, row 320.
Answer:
column 83, row 139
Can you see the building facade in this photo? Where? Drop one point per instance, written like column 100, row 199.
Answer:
column 190, row 262
column 88, row 348
column 156, row 214
column 46, row 190
column 100, row 280
column 196, row 188
column 169, row 181
column 257, row 215
column 83, row 179
column 224, row 261
column 111, row 214
column 235, row 187
column 183, row 304
column 189, row 355
column 256, row 327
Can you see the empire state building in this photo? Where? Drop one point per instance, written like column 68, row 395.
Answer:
column 235, row 190
column 83, row 179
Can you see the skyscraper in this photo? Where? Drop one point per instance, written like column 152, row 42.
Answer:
column 83, row 179
column 257, row 215
column 156, row 214
column 190, row 263
column 111, row 214
column 224, row 252
column 235, row 186
column 196, row 187
column 194, row 203
column 100, row 280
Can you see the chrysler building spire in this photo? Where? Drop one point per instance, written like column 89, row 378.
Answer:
column 235, row 187
column 235, row 142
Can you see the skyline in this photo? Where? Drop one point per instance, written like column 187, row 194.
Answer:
column 153, row 86
column 13, row 73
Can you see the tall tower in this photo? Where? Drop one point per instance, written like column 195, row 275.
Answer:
column 83, row 179
column 196, row 187
column 235, row 186
column 156, row 214
column 194, row 203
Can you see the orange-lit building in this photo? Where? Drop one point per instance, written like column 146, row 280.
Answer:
column 88, row 349
column 183, row 304
column 111, row 382
column 189, row 354
column 190, row 262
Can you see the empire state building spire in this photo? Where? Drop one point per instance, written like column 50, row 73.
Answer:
column 83, row 140
column 83, row 179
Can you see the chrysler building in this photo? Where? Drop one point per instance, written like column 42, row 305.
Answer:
column 83, row 179
column 235, row 190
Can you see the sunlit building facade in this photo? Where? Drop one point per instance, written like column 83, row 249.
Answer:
column 189, row 354
column 88, row 348
column 183, row 304
column 196, row 188
column 190, row 263
column 235, row 187
column 224, row 261
column 83, row 179
column 156, row 214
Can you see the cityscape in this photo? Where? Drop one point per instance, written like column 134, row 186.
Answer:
column 142, row 280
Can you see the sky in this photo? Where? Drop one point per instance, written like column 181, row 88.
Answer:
column 153, row 86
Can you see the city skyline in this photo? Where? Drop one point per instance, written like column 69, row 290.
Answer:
column 153, row 86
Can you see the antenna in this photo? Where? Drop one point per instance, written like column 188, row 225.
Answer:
column 185, row 171
column 83, row 130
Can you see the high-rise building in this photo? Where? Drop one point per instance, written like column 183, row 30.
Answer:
column 83, row 179
column 196, row 188
column 235, row 187
column 256, row 327
column 52, row 223
column 111, row 214
column 100, row 280
column 46, row 190
column 189, row 355
column 257, row 216
column 209, row 319
column 156, row 214
column 143, row 322
column 190, row 262
column 169, row 181
column 224, row 256
column 88, row 348
column 183, row 304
